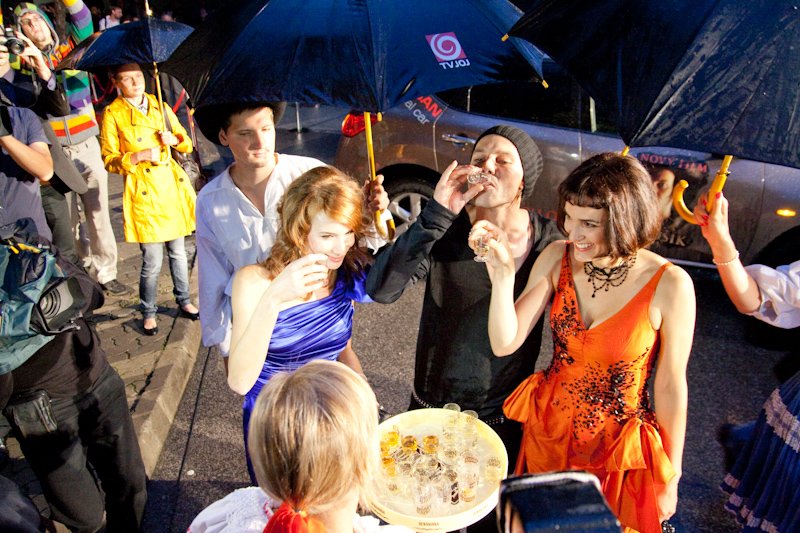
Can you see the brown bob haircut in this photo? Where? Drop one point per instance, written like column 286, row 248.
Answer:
column 622, row 186
column 319, row 190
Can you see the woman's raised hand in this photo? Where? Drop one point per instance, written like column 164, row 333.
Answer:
column 498, row 258
column 300, row 277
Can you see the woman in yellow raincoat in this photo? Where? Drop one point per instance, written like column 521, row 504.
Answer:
column 158, row 202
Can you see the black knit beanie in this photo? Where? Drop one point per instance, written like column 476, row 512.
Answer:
column 529, row 153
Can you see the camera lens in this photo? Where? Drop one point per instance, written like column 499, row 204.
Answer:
column 15, row 46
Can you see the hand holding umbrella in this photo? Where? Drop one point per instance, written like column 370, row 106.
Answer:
column 148, row 41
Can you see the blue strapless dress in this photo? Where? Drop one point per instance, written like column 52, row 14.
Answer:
column 308, row 331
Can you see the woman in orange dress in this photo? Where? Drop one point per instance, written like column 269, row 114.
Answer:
column 619, row 312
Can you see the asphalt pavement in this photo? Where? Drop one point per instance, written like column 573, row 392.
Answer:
column 189, row 422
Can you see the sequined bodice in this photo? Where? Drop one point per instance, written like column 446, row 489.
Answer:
column 600, row 374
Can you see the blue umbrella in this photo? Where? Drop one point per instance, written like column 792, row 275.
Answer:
column 711, row 75
column 365, row 54
column 144, row 42
column 368, row 55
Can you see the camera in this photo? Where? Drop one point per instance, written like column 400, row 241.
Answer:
column 13, row 43
column 59, row 306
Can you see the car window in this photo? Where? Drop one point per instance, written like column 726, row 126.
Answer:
column 524, row 101
column 595, row 118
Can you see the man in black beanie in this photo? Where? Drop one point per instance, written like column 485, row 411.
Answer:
column 454, row 361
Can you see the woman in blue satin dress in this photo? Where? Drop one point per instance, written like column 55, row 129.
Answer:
column 297, row 305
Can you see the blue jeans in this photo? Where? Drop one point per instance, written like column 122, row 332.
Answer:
column 152, row 257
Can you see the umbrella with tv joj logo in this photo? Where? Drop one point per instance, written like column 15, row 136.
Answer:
column 368, row 55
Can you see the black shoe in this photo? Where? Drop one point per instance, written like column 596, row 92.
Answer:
column 188, row 314
column 150, row 332
column 116, row 288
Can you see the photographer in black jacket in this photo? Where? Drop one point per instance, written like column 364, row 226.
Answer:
column 66, row 403
column 69, row 410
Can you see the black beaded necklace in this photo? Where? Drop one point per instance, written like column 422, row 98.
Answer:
column 605, row 278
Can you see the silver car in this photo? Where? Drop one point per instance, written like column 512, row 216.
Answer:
column 415, row 142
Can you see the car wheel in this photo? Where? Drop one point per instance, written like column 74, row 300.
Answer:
column 407, row 199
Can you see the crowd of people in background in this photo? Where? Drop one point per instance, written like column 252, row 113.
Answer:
column 287, row 244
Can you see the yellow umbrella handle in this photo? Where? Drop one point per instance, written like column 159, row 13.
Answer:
column 165, row 154
column 386, row 231
column 716, row 186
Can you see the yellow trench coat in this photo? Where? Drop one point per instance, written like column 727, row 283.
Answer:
column 158, row 202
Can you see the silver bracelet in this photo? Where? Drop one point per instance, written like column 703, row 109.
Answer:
column 725, row 263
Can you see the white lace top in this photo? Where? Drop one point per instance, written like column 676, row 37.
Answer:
column 248, row 510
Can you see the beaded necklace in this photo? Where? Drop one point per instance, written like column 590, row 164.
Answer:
column 605, row 278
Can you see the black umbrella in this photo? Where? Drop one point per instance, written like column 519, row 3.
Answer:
column 711, row 75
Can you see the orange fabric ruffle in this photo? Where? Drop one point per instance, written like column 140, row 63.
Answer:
column 633, row 468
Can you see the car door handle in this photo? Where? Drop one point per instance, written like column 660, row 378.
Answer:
column 459, row 140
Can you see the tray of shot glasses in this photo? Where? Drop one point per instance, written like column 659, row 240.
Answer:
column 441, row 470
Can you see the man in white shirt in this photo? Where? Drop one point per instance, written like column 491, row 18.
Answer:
column 237, row 217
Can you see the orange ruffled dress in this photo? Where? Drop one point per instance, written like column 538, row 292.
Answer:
column 590, row 410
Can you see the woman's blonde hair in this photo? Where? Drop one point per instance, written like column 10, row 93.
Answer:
column 314, row 436
column 321, row 189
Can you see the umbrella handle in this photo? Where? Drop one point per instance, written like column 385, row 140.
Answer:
column 387, row 231
column 716, row 186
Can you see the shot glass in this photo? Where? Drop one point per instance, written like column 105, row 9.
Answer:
column 391, row 438
column 482, row 249
column 422, row 493
column 425, row 466
column 450, row 485
column 409, row 444
column 468, row 476
column 448, row 452
column 478, row 177
column 492, row 470
column 430, row 444
column 389, row 466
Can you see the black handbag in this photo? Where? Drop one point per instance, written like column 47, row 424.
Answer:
column 187, row 161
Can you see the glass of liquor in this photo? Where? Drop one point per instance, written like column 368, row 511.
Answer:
column 493, row 469
column 409, row 444
column 482, row 249
column 391, row 439
column 475, row 178
column 468, row 475
column 389, row 466
column 430, row 444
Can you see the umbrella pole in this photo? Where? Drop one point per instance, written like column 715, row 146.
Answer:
column 386, row 232
column 711, row 196
column 160, row 106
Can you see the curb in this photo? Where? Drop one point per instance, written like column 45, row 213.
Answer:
column 154, row 410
